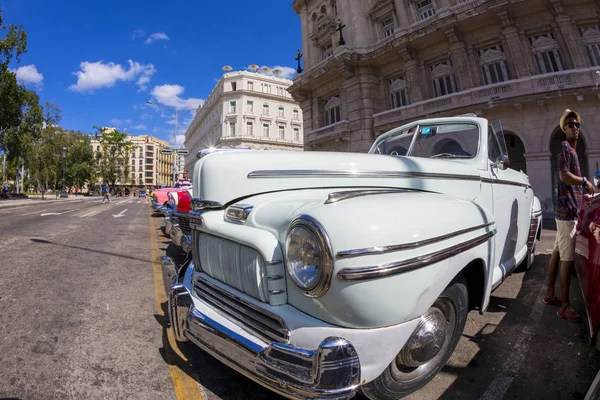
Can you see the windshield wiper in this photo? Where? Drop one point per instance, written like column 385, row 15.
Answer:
column 448, row 155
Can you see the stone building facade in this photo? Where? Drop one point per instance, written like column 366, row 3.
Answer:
column 520, row 61
column 148, row 168
column 248, row 109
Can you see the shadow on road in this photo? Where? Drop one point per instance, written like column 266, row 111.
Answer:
column 530, row 353
column 44, row 241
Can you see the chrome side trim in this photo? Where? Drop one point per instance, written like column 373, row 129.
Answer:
column 505, row 182
column 378, row 271
column 357, row 173
column 537, row 214
column 349, row 194
column 275, row 278
column 276, row 291
column 405, row 246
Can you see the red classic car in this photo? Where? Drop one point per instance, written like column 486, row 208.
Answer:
column 160, row 197
column 587, row 261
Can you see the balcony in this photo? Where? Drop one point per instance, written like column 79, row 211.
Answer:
column 500, row 92
column 257, row 139
column 327, row 133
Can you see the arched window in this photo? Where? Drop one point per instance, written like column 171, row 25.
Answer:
column 323, row 9
column 314, row 17
column 398, row 92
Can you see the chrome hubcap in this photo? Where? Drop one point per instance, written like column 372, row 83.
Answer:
column 426, row 341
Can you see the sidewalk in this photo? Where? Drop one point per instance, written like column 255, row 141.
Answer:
column 37, row 199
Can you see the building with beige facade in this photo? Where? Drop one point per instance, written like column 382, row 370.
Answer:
column 248, row 108
column 148, row 168
column 522, row 62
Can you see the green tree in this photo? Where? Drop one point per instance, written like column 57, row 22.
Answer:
column 13, row 44
column 80, row 160
column 113, row 158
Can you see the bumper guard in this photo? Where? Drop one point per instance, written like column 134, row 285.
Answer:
column 332, row 371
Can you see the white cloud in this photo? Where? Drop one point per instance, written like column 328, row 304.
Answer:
column 287, row 72
column 170, row 95
column 179, row 139
column 99, row 75
column 140, row 127
column 156, row 36
column 144, row 79
column 28, row 74
column 115, row 121
column 155, row 129
column 146, row 116
column 138, row 33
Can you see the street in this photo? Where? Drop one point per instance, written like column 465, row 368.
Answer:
column 83, row 317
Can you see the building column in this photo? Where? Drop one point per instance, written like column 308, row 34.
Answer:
column 511, row 35
column 458, row 55
column 360, row 96
column 593, row 162
column 573, row 44
column 539, row 170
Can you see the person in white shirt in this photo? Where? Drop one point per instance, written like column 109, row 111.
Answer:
column 184, row 182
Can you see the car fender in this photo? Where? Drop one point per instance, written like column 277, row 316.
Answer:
column 364, row 291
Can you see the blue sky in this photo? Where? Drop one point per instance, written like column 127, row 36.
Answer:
column 101, row 61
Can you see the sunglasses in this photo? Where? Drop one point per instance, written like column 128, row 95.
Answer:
column 573, row 125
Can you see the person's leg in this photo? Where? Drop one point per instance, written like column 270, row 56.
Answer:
column 565, row 282
column 552, row 272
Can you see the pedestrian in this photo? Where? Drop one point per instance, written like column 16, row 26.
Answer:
column 105, row 193
column 184, row 182
column 571, row 185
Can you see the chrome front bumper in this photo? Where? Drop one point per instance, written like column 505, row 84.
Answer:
column 332, row 371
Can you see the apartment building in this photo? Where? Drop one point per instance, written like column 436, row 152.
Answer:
column 248, row 108
column 520, row 61
column 148, row 168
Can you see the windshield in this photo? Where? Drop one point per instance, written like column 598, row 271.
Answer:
column 459, row 140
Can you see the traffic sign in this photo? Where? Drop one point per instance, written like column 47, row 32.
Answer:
column 166, row 151
column 183, row 152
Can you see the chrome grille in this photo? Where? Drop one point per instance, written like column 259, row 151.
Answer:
column 184, row 224
column 269, row 327
column 239, row 266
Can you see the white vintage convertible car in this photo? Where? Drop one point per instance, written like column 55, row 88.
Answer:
column 321, row 274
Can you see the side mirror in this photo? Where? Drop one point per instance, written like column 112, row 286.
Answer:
column 502, row 164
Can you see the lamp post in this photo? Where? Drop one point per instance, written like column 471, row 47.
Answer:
column 298, row 57
column 340, row 28
column 64, row 157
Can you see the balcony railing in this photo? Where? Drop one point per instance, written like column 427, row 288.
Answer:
column 513, row 89
column 327, row 132
column 255, row 138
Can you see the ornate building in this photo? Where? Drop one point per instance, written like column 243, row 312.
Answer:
column 248, row 108
column 522, row 62
column 148, row 168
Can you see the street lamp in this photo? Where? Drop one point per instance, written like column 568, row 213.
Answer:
column 64, row 157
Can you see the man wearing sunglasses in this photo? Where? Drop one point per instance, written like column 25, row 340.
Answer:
column 568, row 202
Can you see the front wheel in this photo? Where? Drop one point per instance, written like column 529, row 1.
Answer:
column 429, row 347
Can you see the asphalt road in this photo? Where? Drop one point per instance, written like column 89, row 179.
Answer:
column 82, row 316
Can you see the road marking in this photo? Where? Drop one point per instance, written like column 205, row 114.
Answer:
column 185, row 386
column 60, row 213
column 35, row 212
column 121, row 214
column 88, row 214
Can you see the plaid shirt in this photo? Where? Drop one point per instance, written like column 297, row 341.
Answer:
column 569, row 199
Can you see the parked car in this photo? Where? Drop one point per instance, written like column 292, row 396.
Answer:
column 587, row 262
column 160, row 197
column 319, row 274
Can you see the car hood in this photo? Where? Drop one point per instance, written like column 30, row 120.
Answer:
column 231, row 176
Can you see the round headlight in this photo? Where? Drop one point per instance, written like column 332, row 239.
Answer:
column 308, row 256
